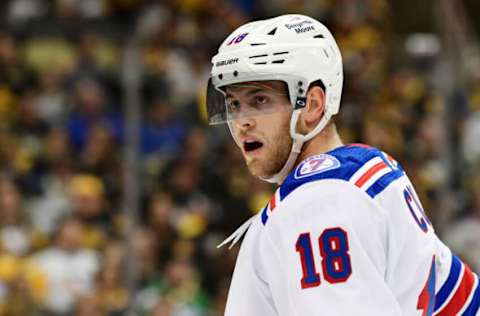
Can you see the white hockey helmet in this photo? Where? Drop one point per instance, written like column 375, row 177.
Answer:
column 295, row 49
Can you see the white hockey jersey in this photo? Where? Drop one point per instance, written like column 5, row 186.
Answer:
column 345, row 234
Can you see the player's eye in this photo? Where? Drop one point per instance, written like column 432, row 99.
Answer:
column 261, row 99
column 233, row 105
column 259, row 102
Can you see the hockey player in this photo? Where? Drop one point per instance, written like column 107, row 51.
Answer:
column 344, row 233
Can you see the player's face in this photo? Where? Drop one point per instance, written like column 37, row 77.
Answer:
column 264, row 139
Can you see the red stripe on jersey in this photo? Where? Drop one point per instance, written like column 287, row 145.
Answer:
column 359, row 145
column 370, row 173
column 272, row 202
column 461, row 295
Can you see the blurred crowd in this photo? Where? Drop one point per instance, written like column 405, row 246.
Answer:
column 62, row 139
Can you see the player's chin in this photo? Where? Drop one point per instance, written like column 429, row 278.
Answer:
column 259, row 169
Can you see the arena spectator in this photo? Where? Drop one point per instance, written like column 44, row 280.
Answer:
column 69, row 268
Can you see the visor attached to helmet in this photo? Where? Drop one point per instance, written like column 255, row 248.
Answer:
column 257, row 94
column 247, row 99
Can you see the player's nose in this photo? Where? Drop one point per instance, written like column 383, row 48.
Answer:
column 244, row 123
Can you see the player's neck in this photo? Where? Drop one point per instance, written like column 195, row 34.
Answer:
column 325, row 141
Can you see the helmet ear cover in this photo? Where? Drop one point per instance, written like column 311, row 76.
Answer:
column 301, row 102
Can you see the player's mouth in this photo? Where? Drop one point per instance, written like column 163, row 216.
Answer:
column 251, row 146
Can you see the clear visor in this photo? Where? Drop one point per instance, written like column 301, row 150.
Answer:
column 246, row 99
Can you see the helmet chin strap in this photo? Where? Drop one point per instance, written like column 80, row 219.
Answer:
column 282, row 174
column 294, row 151
column 297, row 144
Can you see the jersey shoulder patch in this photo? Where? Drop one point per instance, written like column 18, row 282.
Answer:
column 316, row 164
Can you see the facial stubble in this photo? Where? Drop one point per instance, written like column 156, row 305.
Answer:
column 276, row 154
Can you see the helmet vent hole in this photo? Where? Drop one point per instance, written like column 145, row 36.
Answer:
column 258, row 56
column 280, row 53
column 280, row 61
column 261, row 63
column 319, row 36
column 272, row 32
column 257, row 44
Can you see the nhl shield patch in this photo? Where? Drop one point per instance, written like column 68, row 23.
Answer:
column 316, row 164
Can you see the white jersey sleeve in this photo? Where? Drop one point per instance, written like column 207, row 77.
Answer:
column 323, row 252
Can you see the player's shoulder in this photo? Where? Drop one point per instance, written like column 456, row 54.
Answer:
column 356, row 166
column 363, row 166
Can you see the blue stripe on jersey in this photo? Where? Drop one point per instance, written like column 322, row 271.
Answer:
column 264, row 215
column 449, row 284
column 382, row 183
column 474, row 306
column 431, row 287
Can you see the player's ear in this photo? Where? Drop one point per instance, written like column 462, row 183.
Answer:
column 313, row 111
